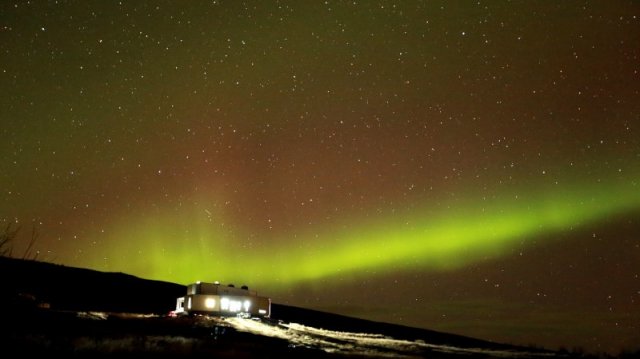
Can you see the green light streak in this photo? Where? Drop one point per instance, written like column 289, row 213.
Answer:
column 193, row 248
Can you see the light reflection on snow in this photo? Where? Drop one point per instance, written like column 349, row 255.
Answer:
column 361, row 343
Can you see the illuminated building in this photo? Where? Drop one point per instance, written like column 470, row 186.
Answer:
column 213, row 298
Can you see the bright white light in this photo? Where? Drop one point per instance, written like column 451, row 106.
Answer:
column 235, row 305
column 180, row 305
column 262, row 311
column 189, row 303
column 210, row 303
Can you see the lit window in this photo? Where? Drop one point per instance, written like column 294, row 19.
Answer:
column 247, row 304
column 235, row 305
column 224, row 303
column 189, row 303
column 210, row 303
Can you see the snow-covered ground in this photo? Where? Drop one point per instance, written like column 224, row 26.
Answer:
column 298, row 335
column 360, row 343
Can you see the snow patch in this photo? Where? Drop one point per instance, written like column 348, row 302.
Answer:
column 368, row 344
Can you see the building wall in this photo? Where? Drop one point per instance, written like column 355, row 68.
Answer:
column 227, row 304
column 212, row 288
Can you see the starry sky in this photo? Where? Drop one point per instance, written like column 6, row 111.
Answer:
column 465, row 166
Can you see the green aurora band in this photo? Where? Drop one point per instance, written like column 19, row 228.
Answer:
column 192, row 247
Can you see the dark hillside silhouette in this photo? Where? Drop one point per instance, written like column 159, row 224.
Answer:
column 69, row 288
column 52, row 308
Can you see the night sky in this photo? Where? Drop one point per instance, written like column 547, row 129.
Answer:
column 471, row 167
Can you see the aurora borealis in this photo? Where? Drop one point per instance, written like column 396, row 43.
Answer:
column 473, row 166
column 451, row 239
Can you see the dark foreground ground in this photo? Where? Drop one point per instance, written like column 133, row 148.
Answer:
column 39, row 332
column 91, row 335
column 51, row 309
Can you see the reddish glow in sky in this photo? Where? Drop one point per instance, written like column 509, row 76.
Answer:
column 465, row 163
